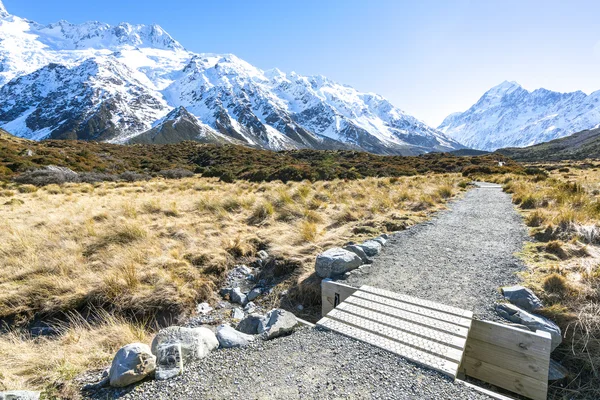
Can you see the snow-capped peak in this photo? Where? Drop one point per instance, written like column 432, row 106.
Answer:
column 509, row 116
column 3, row 12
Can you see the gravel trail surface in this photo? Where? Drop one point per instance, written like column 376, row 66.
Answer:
column 309, row 364
column 459, row 258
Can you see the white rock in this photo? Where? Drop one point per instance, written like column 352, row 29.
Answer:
column 228, row 337
column 250, row 307
column 131, row 364
column 263, row 255
column 203, row 308
column 371, row 247
column 19, row 395
column 169, row 361
column 253, row 294
column 237, row 296
column 382, row 241
column 336, row 261
column 277, row 323
column 196, row 343
column 358, row 251
column 237, row 313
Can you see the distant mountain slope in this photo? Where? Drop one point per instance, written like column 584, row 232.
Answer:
column 94, row 81
column 510, row 116
column 579, row 146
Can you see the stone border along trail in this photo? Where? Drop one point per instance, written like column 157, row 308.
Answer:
column 459, row 258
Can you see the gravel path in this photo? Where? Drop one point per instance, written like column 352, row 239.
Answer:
column 309, row 364
column 459, row 258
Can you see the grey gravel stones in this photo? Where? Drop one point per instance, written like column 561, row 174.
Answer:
column 336, row 261
column 522, row 297
column 169, row 361
column 277, row 323
column 195, row 343
column 131, row 364
column 460, row 258
column 532, row 321
column 19, row 395
column 228, row 337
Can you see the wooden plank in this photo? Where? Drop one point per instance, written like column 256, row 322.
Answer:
column 457, row 330
column 508, row 359
column 420, row 357
column 418, row 302
column 404, row 325
column 333, row 293
column 517, row 383
column 428, row 312
column 536, row 344
column 405, row 338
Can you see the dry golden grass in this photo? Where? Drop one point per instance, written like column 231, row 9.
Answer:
column 150, row 251
column 563, row 213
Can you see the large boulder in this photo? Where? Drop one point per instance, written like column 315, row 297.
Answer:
column 277, row 323
column 522, row 297
column 228, row 337
column 131, row 364
column 195, row 343
column 381, row 240
column 19, row 395
column 532, row 321
column 371, row 247
column 336, row 261
column 169, row 361
column 359, row 252
column 251, row 324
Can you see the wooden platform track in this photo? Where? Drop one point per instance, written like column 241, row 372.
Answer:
column 422, row 331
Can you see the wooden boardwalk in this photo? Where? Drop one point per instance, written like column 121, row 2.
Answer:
column 425, row 332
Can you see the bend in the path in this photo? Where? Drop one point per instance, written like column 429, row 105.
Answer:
column 460, row 258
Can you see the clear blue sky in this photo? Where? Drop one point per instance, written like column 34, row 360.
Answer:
column 428, row 57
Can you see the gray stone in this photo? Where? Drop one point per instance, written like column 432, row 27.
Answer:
column 358, row 251
column 203, row 308
column 557, row 371
column 263, row 255
column 228, row 337
column 169, row 361
column 277, row 323
column 195, row 343
column 19, row 395
column 250, row 307
column 224, row 292
column 336, row 261
column 371, row 247
column 532, row 321
column 237, row 313
column 237, row 296
column 382, row 241
column 253, row 294
column 522, row 297
column 131, row 364
column 385, row 236
column 250, row 324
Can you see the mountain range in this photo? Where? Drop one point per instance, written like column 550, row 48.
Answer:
column 510, row 116
column 136, row 84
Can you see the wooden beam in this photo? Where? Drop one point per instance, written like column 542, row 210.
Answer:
column 333, row 293
column 536, row 344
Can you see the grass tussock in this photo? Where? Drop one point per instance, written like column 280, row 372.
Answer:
column 563, row 213
column 151, row 250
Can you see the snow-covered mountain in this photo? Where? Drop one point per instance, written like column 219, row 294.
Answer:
column 136, row 83
column 510, row 116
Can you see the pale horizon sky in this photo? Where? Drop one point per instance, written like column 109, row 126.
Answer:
column 429, row 58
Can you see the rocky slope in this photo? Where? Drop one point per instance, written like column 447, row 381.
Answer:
column 510, row 116
column 128, row 82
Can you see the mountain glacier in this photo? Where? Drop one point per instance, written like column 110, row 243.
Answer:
column 510, row 116
column 135, row 83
